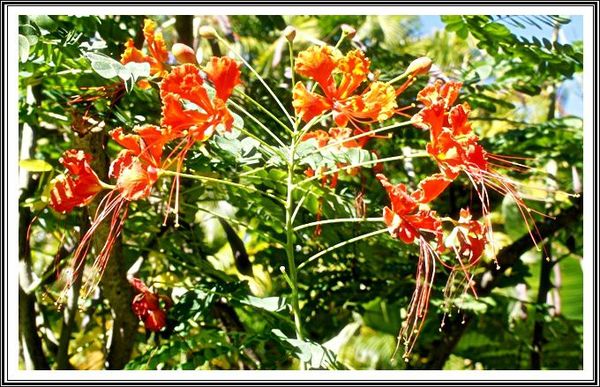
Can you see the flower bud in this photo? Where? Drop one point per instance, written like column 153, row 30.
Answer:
column 183, row 53
column 348, row 30
column 419, row 66
column 207, row 32
column 290, row 33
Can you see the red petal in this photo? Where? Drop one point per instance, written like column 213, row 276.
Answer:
column 318, row 63
column 458, row 118
column 306, row 104
column 80, row 184
column 431, row 187
column 155, row 320
column 224, row 74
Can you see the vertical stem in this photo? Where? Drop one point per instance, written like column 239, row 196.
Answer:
column 291, row 50
column 289, row 218
column 289, row 246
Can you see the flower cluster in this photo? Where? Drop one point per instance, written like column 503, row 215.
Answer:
column 354, row 102
column 376, row 103
column 455, row 149
column 192, row 111
column 194, row 106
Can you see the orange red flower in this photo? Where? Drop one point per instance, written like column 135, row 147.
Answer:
column 146, row 306
column 157, row 49
column 79, row 186
column 136, row 166
column 187, row 106
column 405, row 220
column 189, row 111
column 467, row 239
column 377, row 102
column 456, row 149
column 452, row 144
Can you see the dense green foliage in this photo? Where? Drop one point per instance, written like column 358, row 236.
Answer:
column 229, row 315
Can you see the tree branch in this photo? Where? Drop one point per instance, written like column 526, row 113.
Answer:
column 114, row 282
column 185, row 29
column 28, row 330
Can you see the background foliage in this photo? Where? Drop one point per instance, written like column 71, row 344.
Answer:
column 227, row 316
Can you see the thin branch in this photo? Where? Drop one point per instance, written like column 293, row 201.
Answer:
column 341, row 244
column 259, row 123
column 338, row 220
column 264, row 110
column 224, row 182
column 269, row 90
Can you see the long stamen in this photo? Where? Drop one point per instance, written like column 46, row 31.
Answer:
column 82, row 250
column 419, row 304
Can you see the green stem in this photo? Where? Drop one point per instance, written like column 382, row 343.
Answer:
column 289, row 247
column 338, row 220
column 399, row 77
column 219, row 181
column 252, row 171
column 291, row 49
column 269, row 90
column 299, row 204
column 341, row 244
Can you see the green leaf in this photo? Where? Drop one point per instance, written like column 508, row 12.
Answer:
column 23, row 48
column 238, row 122
column 527, row 88
column 356, row 156
column 44, row 22
column 451, row 19
column 138, row 70
column 272, row 304
column 463, row 32
column 497, row 30
column 309, row 352
column 107, row 67
column 33, row 165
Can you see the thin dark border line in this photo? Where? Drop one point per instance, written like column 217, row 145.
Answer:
column 595, row 187
column 299, row 3
column 384, row 382
column 3, row 134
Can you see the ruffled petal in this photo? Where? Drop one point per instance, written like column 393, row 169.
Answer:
column 431, row 187
column 224, row 73
column 354, row 67
column 318, row 63
column 446, row 92
column 308, row 105
column 79, row 186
